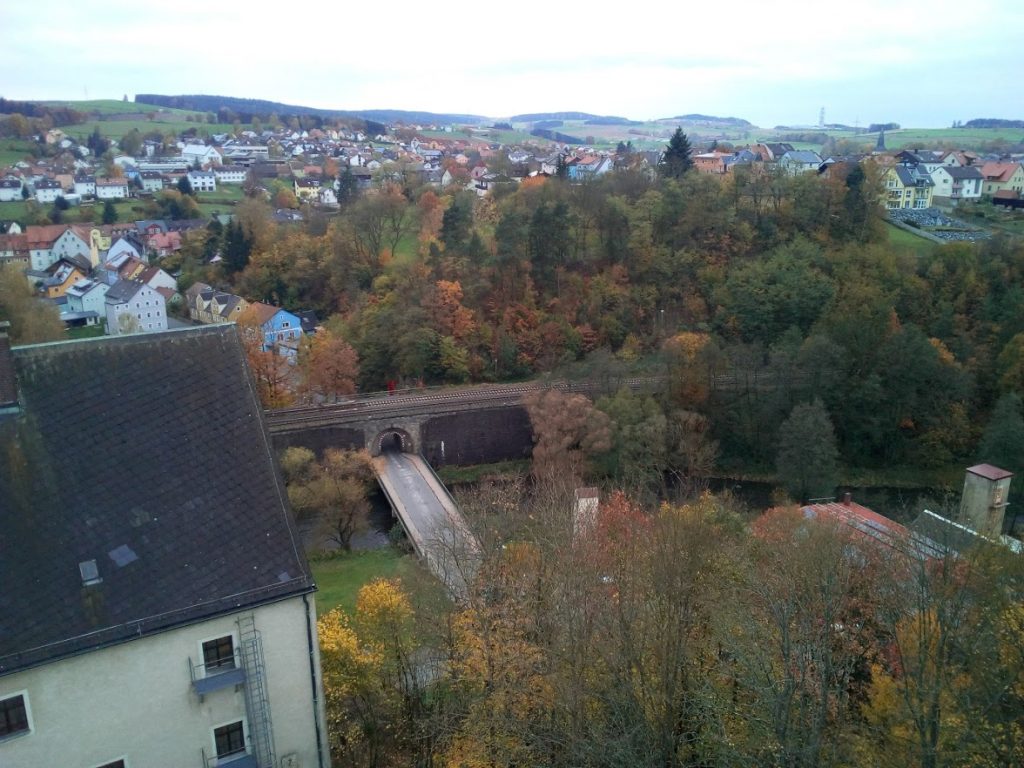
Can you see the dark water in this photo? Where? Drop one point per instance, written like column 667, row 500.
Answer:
column 381, row 522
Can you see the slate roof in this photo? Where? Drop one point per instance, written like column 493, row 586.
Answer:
column 123, row 291
column 185, row 514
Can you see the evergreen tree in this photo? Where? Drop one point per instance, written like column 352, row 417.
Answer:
column 677, row 159
column 807, row 455
column 348, row 186
column 185, row 186
column 1002, row 443
column 109, row 213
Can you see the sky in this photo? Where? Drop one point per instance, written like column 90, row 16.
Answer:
column 920, row 64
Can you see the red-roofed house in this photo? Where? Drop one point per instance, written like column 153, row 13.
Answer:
column 1002, row 176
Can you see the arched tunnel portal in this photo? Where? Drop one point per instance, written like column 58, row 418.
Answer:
column 393, row 439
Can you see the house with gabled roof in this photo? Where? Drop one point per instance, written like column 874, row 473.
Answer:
column 164, row 591
column 907, row 187
column 957, row 183
column 134, row 307
column 1001, row 177
column 797, row 161
column 278, row 327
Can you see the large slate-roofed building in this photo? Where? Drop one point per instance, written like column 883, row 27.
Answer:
column 150, row 562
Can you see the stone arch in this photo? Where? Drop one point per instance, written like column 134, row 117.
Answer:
column 392, row 438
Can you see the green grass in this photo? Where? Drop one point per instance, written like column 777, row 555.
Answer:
column 115, row 129
column 474, row 474
column 107, row 106
column 87, row 331
column 13, row 150
column 902, row 238
column 340, row 577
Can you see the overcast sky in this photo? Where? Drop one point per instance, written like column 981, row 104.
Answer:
column 921, row 64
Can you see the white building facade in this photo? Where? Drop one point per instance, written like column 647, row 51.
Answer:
column 152, row 702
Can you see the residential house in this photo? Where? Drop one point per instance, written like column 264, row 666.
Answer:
column 711, row 162
column 279, row 328
column 40, row 240
column 155, row 277
column 63, row 274
column 47, row 191
column 797, row 161
column 163, row 243
column 957, row 183
column 133, row 307
column 907, row 187
column 87, row 296
column 327, row 198
column 75, row 240
column 201, row 154
column 207, row 305
column 14, row 249
column 1002, row 177
column 159, row 609
column 125, row 245
column 231, row 174
column 771, row 152
column 85, row 185
column 152, row 181
column 307, row 190
column 202, row 181
column 111, row 189
column 10, row 190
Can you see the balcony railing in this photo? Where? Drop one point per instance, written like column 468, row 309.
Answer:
column 207, row 678
column 237, row 760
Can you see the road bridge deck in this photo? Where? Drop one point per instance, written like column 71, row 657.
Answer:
column 431, row 519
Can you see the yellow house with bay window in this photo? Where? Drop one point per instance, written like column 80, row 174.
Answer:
column 907, row 187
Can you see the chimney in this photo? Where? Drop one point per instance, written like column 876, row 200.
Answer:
column 847, row 499
column 984, row 501
column 8, row 382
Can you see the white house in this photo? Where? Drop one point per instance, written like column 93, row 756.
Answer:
column 800, row 161
column 957, row 183
column 74, row 241
column 85, row 185
column 163, row 616
column 152, row 181
column 202, row 154
column 48, row 190
column 10, row 190
column 202, row 181
column 87, row 296
column 133, row 307
column 122, row 247
column 231, row 174
column 111, row 189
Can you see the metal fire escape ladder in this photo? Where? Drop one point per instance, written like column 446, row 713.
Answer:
column 257, row 702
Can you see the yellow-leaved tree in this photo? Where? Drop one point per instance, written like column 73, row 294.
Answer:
column 371, row 687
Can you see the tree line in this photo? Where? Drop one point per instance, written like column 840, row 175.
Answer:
column 790, row 281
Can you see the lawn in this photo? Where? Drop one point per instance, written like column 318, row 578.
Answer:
column 902, row 238
column 340, row 577
column 115, row 129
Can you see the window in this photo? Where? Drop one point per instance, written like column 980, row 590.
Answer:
column 229, row 739
column 219, row 654
column 13, row 716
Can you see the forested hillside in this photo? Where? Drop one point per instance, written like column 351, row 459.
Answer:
column 788, row 284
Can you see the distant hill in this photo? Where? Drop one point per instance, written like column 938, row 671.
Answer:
column 992, row 122
column 263, row 108
column 732, row 122
column 589, row 119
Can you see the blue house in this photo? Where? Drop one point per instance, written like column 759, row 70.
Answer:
column 281, row 329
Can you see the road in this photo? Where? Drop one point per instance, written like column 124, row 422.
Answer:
column 433, row 523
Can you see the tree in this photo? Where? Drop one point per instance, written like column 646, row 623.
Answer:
column 1002, row 443
column 329, row 365
column 109, row 213
column 807, row 455
column 676, row 160
column 185, row 186
column 32, row 321
column 131, row 142
column 332, row 493
column 567, row 429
